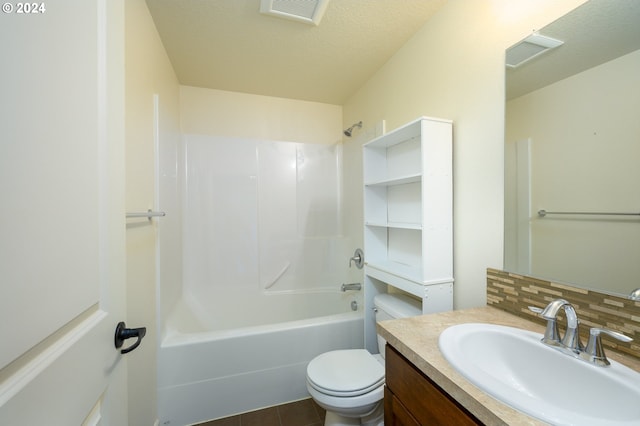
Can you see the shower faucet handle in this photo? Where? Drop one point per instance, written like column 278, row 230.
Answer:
column 358, row 258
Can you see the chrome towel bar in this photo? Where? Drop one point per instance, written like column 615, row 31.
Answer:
column 148, row 214
column 543, row 213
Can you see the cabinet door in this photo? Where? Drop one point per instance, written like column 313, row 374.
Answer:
column 396, row 414
column 422, row 398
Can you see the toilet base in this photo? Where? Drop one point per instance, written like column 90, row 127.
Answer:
column 333, row 419
column 376, row 418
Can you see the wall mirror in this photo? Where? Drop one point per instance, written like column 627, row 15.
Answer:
column 572, row 148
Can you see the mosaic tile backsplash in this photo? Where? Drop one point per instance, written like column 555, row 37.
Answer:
column 514, row 293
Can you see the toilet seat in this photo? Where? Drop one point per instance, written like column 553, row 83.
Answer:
column 345, row 373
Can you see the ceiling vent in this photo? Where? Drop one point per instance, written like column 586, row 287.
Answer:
column 529, row 48
column 307, row 11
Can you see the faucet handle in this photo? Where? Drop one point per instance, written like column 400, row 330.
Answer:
column 594, row 352
column 535, row 309
column 358, row 258
column 551, row 334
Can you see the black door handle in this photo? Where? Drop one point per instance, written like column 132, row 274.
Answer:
column 123, row 333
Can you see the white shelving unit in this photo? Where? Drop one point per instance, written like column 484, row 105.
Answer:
column 408, row 216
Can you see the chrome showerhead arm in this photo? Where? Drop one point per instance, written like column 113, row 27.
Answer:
column 349, row 131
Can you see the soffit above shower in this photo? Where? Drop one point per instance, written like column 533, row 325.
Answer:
column 230, row 45
column 305, row 11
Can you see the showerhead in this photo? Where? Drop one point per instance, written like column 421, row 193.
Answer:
column 349, row 131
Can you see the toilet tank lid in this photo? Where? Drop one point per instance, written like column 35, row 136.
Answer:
column 398, row 305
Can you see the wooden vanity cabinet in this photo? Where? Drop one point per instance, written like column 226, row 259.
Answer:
column 412, row 399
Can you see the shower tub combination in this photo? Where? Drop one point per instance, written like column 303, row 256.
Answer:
column 207, row 374
column 263, row 259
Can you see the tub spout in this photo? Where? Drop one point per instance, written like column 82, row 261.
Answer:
column 352, row 286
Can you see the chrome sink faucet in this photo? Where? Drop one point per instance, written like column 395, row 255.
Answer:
column 570, row 342
column 571, row 338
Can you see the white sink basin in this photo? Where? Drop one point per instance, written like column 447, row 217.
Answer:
column 513, row 366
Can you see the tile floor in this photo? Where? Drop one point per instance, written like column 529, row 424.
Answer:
column 299, row 413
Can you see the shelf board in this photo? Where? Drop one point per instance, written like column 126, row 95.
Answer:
column 405, row 272
column 404, row 133
column 400, row 180
column 404, row 280
column 399, row 135
column 412, row 274
column 397, row 225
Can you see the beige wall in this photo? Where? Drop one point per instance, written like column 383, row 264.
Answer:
column 148, row 72
column 242, row 115
column 454, row 68
column 584, row 133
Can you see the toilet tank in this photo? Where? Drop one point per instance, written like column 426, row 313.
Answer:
column 393, row 306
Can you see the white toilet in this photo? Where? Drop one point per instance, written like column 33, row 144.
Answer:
column 349, row 383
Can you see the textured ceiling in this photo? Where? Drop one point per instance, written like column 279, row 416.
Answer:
column 594, row 33
column 229, row 45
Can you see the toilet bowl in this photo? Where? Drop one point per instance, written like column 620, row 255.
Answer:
column 349, row 383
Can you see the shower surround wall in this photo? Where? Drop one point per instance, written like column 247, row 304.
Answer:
column 264, row 256
column 261, row 217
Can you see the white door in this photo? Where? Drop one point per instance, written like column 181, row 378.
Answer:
column 62, row 229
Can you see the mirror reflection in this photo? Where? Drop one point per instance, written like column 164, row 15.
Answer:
column 572, row 149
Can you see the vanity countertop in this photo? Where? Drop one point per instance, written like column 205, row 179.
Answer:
column 417, row 339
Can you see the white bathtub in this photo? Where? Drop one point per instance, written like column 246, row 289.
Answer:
column 207, row 373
